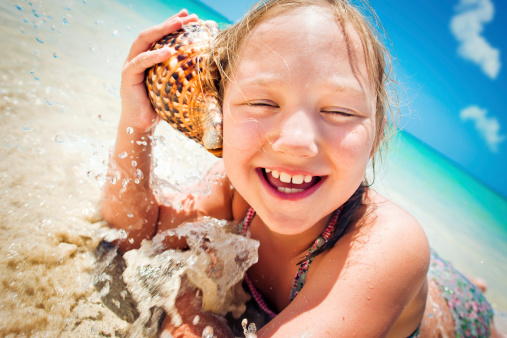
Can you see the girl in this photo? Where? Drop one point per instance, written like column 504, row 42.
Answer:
column 303, row 92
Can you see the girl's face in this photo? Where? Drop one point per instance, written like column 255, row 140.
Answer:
column 299, row 119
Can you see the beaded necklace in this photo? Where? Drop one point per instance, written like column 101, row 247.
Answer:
column 300, row 278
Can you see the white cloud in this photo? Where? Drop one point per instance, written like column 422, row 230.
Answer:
column 467, row 26
column 488, row 127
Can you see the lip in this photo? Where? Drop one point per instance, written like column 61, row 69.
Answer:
column 291, row 197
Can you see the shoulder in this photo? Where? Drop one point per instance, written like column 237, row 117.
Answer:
column 389, row 229
column 362, row 285
column 394, row 224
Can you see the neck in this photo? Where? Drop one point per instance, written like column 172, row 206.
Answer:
column 287, row 247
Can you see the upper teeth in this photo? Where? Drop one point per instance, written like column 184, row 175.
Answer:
column 287, row 178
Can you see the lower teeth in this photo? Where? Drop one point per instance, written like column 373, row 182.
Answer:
column 289, row 190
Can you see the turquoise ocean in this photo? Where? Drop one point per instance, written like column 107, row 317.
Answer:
column 59, row 106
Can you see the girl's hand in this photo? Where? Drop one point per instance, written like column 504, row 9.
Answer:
column 194, row 319
column 137, row 111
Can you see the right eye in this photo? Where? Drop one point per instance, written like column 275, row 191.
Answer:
column 262, row 103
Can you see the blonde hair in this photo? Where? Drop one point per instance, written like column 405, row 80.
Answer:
column 227, row 44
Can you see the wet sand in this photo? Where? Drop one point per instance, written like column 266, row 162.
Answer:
column 59, row 106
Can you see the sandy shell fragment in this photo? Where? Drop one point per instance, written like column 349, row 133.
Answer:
column 177, row 90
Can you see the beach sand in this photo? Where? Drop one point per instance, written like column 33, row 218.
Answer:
column 59, row 107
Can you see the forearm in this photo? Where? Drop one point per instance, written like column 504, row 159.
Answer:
column 129, row 202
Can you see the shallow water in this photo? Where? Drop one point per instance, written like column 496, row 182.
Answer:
column 59, row 105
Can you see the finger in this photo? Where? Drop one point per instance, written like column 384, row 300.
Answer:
column 133, row 71
column 147, row 37
column 180, row 14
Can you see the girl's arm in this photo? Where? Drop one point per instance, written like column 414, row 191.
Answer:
column 129, row 202
column 361, row 287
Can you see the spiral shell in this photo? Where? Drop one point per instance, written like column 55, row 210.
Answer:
column 177, row 90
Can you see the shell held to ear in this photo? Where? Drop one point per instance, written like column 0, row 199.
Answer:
column 177, row 89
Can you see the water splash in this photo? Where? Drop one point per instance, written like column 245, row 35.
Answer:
column 215, row 264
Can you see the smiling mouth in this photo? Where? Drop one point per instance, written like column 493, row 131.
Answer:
column 289, row 184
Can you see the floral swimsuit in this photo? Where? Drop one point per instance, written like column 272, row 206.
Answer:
column 472, row 314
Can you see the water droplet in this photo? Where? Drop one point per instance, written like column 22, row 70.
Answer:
column 131, row 240
column 136, row 181
column 122, row 233
column 252, row 328
column 26, row 127
column 65, row 22
column 18, row 7
column 39, row 39
column 208, row 332
column 58, row 139
column 91, row 48
column 130, row 130
column 48, row 101
column 123, row 155
column 22, row 30
column 35, row 13
column 55, row 55
column 134, row 163
column 130, row 215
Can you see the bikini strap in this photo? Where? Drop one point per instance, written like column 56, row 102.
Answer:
column 300, row 278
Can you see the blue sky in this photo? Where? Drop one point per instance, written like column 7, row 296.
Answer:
column 451, row 59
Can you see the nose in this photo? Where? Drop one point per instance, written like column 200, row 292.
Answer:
column 297, row 135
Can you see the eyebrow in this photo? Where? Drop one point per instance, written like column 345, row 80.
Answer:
column 331, row 84
column 261, row 80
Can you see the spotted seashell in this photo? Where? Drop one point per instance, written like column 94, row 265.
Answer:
column 177, row 90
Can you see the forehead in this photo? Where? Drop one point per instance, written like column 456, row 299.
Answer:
column 305, row 40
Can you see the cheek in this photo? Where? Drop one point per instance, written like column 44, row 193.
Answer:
column 241, row 135
column 238, row 143
column 354, row 147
